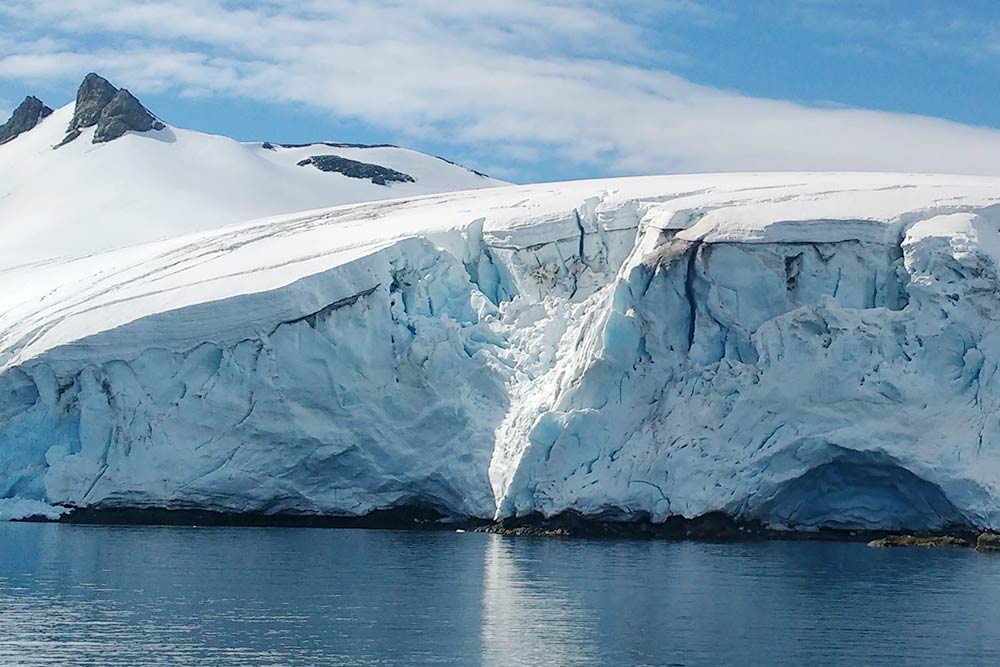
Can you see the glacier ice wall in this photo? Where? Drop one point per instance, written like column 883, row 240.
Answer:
column 627, row 356
column 370, row 401
column 745, row 377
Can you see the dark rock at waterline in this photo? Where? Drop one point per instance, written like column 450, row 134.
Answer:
column 410, row 517
column 377, row 174
column 713, row 526
column 920, row 541
column 710, row 526
column 113, row 111
column 988, row 542
column 25, row 117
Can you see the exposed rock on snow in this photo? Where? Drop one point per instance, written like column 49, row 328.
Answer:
column 111, row 111
column 354, row 169
column 26, row 116
column 807, row 350
column 131, row 178
column 94, row 94
column 333, row 144
column 124, row 113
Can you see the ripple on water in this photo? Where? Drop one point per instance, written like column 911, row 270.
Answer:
column 91, row 595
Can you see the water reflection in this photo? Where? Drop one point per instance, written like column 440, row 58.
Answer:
column 532, row 614
column 142, row 596
column 76, row 595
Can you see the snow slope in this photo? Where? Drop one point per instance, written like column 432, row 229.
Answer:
column 806, row 349
column 85, row 197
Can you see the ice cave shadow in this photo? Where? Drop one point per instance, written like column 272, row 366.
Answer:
column 861, row 490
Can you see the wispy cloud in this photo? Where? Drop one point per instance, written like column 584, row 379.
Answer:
column 520, row 80
column 926, row 27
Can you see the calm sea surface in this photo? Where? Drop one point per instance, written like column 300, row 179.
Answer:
column 88, row 595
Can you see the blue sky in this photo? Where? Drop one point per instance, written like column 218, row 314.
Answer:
column 547, row 89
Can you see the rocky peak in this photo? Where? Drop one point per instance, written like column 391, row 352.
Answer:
column 113, row 111
column 92, row 97
column 124, row 113
column 26, row 116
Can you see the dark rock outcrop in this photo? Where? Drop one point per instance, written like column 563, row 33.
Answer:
column 988, row 542
column 477, row 173
column 113, row 111
column 94, row 94
column 397, row 518
column 25, row 117
column 919, row 541
column 710, row 526
column 352, row 168
column 338, row 144
column 124, row 113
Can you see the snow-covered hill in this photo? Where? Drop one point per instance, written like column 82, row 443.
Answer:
column 806, row 349
column 86, row 196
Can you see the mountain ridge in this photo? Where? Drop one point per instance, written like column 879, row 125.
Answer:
column 126, row 176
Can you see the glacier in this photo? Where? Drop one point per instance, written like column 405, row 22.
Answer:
column 806, row 350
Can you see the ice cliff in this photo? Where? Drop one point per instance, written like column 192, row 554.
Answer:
column 804, row 349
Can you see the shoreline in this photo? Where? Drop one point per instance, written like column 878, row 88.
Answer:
column 710, row 527
column 404, row 518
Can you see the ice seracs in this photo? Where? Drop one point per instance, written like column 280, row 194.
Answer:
column 809, row 350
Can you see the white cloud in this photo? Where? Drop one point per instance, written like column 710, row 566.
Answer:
column 877, row 27
column 516, row 81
